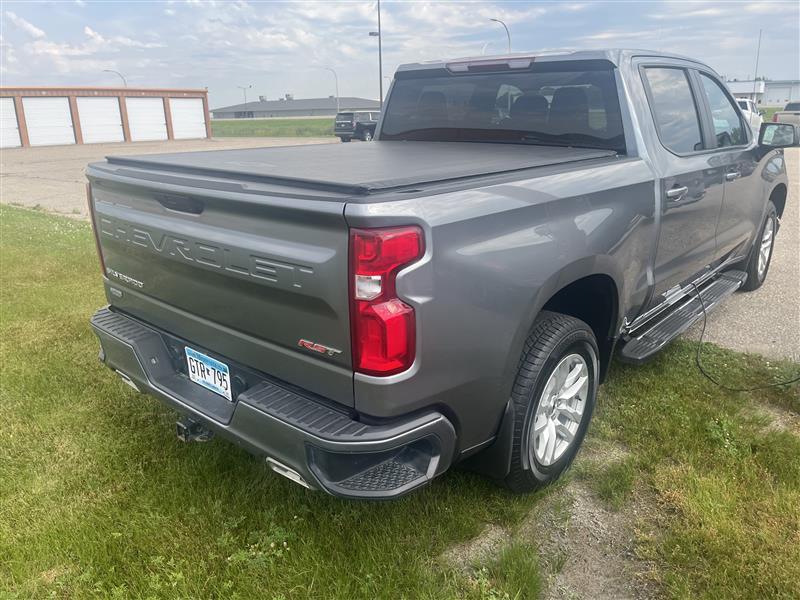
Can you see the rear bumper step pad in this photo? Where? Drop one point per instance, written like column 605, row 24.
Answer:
column 328, row 448
column 644, row 342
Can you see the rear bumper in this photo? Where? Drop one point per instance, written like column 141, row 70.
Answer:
column 304, row 437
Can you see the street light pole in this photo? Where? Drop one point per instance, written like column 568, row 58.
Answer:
column 244, row 89
column 508, row 33
column 755, row 73
column 380, row 54
column 336, row 81
column 121, row 76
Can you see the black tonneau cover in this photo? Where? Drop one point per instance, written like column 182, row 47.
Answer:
column 362, row 168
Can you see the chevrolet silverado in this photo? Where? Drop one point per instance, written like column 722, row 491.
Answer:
column 366, row 316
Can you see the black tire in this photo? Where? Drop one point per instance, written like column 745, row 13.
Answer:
column 345, row 139
column 553, row 338
column 754, row 278
column 366, row 135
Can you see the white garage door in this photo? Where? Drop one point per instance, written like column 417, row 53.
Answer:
column 100, row 120
column 9, row 130
column 49, row 121
column 188, row 118
column 146, row 119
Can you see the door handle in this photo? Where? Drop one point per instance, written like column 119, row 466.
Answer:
column 677, row 193
column 733, row 175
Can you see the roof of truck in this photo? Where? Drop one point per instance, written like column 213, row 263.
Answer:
column 614, row 55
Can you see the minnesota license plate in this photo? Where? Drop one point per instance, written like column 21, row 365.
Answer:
column 208, row 372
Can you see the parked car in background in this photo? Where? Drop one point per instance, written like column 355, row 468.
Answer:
column 358, row 124
column 751, row 113
column 790, row 114
column 364, row 317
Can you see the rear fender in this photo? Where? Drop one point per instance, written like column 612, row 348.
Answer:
column 495, row 460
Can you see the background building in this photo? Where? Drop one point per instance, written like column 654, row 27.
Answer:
column 288, row 106
column 45, row 116
column 777, row 92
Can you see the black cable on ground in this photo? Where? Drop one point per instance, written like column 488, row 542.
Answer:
column 709, row 376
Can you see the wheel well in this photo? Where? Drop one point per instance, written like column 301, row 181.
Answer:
column 778, row 198
column 594, row 301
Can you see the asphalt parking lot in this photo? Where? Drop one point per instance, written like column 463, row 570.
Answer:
column 51, row 177
column 765, row 322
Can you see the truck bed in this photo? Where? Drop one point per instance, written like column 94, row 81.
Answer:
column 360, row 169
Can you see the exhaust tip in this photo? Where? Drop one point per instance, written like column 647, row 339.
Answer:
column 282, row 469
column 128, row 381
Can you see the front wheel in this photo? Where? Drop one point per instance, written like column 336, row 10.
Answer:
column 761, row 254
column 553, row 399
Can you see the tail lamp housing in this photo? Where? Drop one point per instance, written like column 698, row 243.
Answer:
column 383, row 327
column 93, row 219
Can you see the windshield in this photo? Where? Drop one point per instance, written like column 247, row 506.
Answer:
column 562, row 107
column 344, row 116
column 792, row 106
column 743, row 105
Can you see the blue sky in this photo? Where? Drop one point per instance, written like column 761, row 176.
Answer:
column 280, row 47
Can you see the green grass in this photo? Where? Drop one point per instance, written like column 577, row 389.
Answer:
column 306, row 127
column 728, row 491
column 513, row 574
column 99, row 499
column 768, row 112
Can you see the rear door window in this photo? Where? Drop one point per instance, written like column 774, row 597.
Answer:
column 728, row 127
column 674, row 109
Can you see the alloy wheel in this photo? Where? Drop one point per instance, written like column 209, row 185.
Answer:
column 560, row 410
column 765, row 250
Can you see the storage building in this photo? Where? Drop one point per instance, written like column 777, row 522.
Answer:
column 48, row 116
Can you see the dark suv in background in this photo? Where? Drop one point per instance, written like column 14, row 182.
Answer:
column 359, row 124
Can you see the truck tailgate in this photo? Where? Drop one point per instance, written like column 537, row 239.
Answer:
column 241, row 275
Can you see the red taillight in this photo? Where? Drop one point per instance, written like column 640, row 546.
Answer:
column 383, row 326
column 94, row 228
column 775, row 118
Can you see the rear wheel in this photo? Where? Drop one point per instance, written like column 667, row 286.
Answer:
column 760, row 257
column 366, row 135
column 344, row 139
column 553, row 399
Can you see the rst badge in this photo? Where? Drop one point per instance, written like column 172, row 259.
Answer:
column 319, row 348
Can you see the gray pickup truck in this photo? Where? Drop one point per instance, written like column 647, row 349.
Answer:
column 366, row 316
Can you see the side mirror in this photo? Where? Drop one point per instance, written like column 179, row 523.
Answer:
column 779, row 135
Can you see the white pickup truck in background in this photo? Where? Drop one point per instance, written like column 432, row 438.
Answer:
column 751, row 113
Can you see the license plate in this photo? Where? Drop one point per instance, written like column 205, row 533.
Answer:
column 208, row 372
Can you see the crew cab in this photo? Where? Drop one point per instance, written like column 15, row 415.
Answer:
column 356, row 124
column 366, row 316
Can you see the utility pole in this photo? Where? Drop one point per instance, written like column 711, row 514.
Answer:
column 755, row 73
column 380, row 54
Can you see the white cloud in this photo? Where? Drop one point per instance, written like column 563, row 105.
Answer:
column 25, row 26
column 280, row 46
